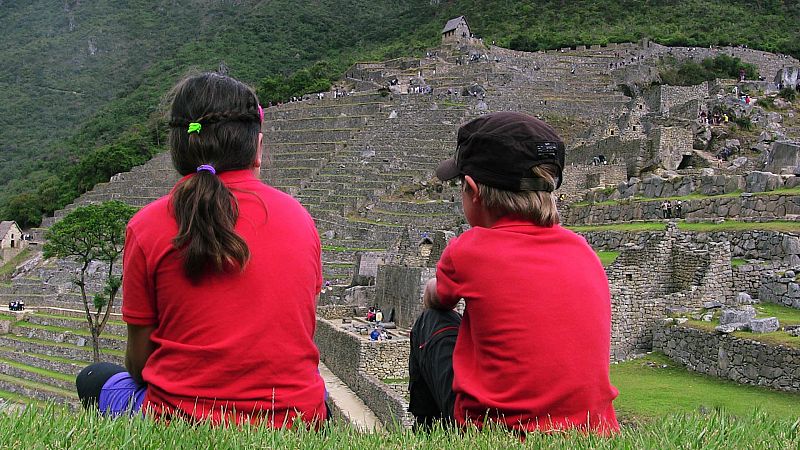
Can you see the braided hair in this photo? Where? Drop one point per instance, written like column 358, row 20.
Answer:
column 227, row 139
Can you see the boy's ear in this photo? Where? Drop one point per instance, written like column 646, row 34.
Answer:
column 472, row 187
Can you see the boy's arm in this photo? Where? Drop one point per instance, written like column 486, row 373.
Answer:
column 430, row 299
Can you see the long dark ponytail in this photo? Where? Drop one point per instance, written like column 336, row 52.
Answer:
column 224, row 119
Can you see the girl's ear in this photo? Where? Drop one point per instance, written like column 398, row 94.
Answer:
column 259, row 151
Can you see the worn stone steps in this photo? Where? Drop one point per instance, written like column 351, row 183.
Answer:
column 38, row 391
column 75, row 336
column 36, row 374
column 62, row 350
column 52, row 363
column 113, row 327
column 318, row 123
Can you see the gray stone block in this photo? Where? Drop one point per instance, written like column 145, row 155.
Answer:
column 743, row 298
column 766, row 325
column 742, row 315
column 762, row 181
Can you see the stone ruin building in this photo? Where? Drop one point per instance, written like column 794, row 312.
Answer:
column 362, row 164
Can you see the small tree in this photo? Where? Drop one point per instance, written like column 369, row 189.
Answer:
column 93, row 233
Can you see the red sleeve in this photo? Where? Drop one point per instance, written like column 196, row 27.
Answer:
column 446, row 278
column 138, row 295
column 319, row 264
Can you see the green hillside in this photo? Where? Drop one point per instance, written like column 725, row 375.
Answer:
column 82, row 83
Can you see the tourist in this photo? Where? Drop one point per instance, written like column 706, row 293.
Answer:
column 664, row 210
column 532, row 349
column 371, row 314
column 378, row 316
column 254, row 360
column 668, row 204
column 374, row 335
column 678, row 209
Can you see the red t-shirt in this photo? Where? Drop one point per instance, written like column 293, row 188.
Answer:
column 533, row 347
column 238, row 341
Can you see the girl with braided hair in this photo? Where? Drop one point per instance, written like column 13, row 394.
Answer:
column 220, row 280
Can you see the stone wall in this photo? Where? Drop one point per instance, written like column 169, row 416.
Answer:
column 676, row 274
column 668, row 97
column 705, row 183
column 400, row 288
column 780, row 287
column 580, row 177
column 721, row 355
column 768, row 206
column 615, row 149
column 672, row 143
column 749, row 277
column 751, row 244
column 361, row 364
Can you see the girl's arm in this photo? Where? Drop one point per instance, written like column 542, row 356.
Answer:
column 140, row 347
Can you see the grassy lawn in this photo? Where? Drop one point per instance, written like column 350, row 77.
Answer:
column 728, row 225
column 54, row 427
column 649, row 391
column 606, row 257
column 786, row 316
column 8, row 267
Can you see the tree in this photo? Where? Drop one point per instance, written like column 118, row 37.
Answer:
column 93, row 233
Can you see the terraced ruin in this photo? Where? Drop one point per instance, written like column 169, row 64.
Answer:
column 362, row 163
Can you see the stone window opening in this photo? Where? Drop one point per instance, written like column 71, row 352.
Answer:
column 686, row 162
column 425, row 246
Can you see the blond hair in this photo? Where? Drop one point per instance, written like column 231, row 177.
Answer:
column 537, row 206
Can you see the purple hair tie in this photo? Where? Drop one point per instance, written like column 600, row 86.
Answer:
column 208, row 168
column 261, row 113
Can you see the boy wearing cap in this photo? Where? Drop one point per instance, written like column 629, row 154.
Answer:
column 532, row 350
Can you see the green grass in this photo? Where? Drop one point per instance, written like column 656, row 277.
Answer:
column 728, row 225
column 775, row 338
column 7, row 269
column 737, row 262
column 786, row 315
column 607, row 258
column 53, row 427
column 649, row 391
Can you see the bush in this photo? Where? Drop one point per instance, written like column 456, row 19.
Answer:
column 788, row 94
column 690, row 73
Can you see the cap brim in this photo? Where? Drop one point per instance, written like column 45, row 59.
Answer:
column 447, row 170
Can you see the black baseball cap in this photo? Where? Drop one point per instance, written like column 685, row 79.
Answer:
column 499, row 150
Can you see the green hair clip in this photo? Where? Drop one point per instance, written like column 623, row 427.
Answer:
column 195, row 127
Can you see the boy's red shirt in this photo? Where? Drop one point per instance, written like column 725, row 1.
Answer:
column 235, row 341
column 533, row 347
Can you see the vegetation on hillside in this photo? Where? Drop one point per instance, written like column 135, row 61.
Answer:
column 83, row 89
column 690, row 73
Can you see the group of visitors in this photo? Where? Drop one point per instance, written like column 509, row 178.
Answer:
column 715, row 119
column 16, row 305
column 222, row 235
column 668, row 208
